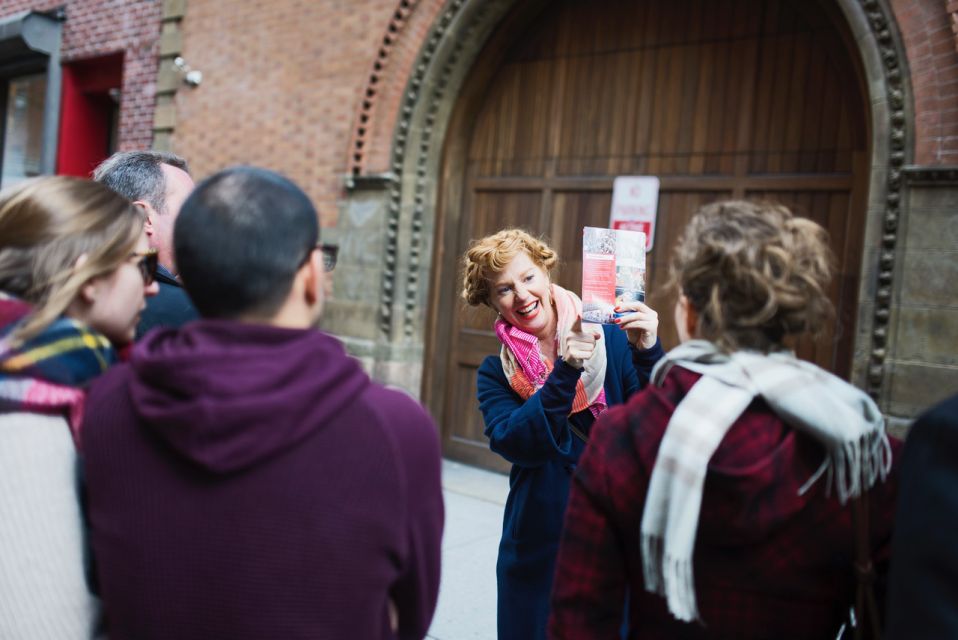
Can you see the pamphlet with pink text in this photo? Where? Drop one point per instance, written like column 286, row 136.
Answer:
column 613, row 272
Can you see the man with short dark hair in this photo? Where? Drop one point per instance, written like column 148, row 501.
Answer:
column 157, row 182
column 245, row 478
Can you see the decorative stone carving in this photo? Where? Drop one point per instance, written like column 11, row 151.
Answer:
column 358, row 146
column 427, row 147
column 941, row 175
column 879, row 22
column 426, row 89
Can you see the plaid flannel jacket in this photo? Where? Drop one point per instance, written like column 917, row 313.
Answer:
column 768, row 563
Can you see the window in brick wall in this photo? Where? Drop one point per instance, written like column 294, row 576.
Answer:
column 22, row 127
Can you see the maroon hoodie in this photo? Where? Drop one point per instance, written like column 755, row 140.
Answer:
column 246, row 481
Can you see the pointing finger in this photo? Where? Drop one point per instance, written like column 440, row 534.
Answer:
column 577, row 325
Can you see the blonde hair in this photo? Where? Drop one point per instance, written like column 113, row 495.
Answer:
column 754, row 273
column 490, row 255
column 46, row 224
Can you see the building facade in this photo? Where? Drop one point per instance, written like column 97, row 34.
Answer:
column 416, row 125
column 77, row 82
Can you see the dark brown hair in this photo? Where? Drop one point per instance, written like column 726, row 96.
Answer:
column 754, row 273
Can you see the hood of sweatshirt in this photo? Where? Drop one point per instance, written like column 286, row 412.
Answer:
column 226, row 395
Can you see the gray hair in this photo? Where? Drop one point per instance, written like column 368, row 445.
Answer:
column 137, row 175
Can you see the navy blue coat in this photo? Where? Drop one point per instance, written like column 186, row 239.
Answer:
column 535, row 436
column 923, row 582
column 171, row 307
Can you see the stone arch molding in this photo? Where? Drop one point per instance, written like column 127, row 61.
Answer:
column 443, row 63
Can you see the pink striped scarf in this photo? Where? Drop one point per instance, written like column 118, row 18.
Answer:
column 527, row 370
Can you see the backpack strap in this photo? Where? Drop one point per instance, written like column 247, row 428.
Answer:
column 867, row 617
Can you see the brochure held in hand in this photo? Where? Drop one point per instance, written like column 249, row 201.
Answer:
column 613, row 272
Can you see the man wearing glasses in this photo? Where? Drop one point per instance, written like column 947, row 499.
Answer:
column 245, row 478
column 158, row 183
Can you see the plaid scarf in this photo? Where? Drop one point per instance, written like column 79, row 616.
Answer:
column 527, row 370
column 48, row 373
column 842, row 418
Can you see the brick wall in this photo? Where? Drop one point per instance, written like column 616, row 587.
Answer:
column 389, row 84
column 304, row 69
column 281, row 87
column 926, row 28
column 98, row 27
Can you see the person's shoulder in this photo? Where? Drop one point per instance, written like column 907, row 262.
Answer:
column 105, row 395
column 650, row 409
column 491, row 364
column 934, row 433
column 171, row 306
column 490, row 372
column 107, row 384
column 169, row 289
column 407, row 430
column 32, row 426
column 401, row 415
column 939, row 421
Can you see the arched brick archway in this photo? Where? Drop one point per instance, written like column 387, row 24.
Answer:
column 407, row 187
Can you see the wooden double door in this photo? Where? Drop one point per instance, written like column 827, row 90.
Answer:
column 718, row 98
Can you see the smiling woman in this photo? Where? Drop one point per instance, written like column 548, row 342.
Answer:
column 539, row 397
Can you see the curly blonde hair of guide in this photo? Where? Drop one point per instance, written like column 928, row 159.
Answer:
column 754, row 273
column 490, row 255
column 46, row 224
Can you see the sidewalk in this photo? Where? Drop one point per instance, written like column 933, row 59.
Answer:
column 467, row 594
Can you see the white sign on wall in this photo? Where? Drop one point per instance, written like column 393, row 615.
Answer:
column 635, row 200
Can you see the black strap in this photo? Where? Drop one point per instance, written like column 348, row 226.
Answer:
column 578, row 432
column 867, row 617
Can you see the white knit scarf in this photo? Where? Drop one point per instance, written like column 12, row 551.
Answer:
column 842, row 418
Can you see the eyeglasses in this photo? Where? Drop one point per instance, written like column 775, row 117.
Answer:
column 330, row 253
column 147, row 264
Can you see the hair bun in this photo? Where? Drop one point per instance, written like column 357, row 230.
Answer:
column 754, row 273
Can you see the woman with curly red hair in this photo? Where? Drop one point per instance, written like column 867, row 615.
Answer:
column 539, row 397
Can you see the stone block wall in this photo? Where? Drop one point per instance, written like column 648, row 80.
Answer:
column 923, row 351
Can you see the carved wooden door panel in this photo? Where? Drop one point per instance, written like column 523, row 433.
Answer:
column 741, row 98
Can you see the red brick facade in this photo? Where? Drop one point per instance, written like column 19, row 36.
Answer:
column 291, row 98
column 926, row 27
column 315, row 89
column 401, row 43
column 313, row 67
column 281, row 87
column 95, row 28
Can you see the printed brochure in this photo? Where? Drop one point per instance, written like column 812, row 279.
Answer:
column 613, row 271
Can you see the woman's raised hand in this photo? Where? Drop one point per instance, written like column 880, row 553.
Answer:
column 641, row 323
column 578, row 345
